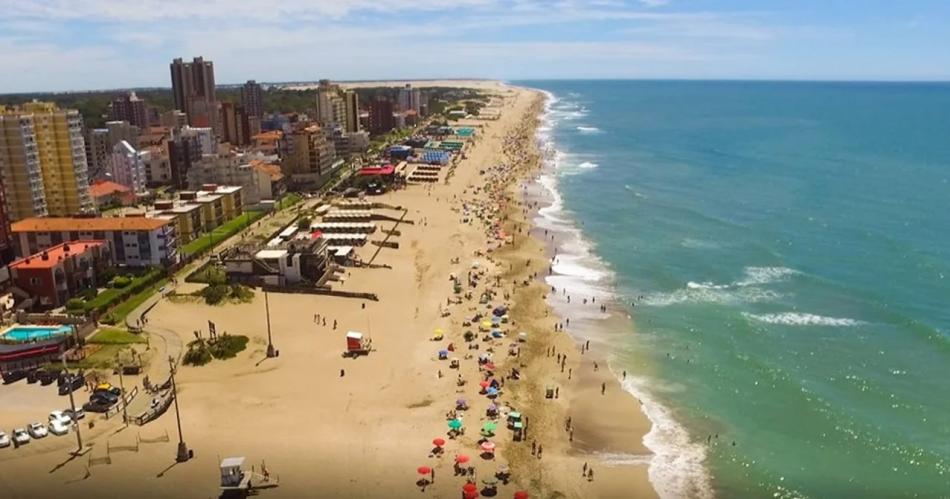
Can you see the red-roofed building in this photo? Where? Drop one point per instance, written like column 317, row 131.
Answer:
column 55, row 275
column 108, row 193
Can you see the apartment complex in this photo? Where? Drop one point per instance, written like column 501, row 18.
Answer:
column 43, row 165
column 311, row 156
column 56, row 274
column 352, row 104
column 194, row 92
column 134, row 241
column 129, row 107
column 238, row 125
column 128, row 167
column 381, row 116
column 198, row 212
column 252, row 97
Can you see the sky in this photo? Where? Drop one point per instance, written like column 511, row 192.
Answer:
column 60, row 45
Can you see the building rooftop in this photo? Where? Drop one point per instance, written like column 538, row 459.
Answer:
column 67, row 224
column 55, row 254
column 102, row 188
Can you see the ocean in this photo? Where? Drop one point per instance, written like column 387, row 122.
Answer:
column 782, row 250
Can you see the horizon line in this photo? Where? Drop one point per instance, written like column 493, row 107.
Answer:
column 500, row 80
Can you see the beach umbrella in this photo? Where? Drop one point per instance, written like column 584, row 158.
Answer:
column 488, row 446
column 486, row 324
column 424, row 470
column 443, row 352
column 469, row 487
column 461, row 459
column 484, row 384
column 455, row 424
column 489, row 426
column 491, row 481
column 521, row 495
column 470, row 495
column 492, row 391
column 459, row 401
column 438, row 442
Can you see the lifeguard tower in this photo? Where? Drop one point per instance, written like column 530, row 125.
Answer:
column 236, row 480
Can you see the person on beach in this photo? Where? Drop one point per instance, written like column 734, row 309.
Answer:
column 590, row 474
column 569, row 372
column 596, row 367
column 625, row 375
column 534, row 447
column 603, row 388
column 584, row 470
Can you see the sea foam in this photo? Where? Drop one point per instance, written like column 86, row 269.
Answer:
column 802, row 319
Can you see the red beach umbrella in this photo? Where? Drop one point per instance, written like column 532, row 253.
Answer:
column 488, row 446
column 438, row 442
column 521, row 495
column 424, row 470
column 469, row 487
column 484, row 384
column 461, row 459
column 470, row 495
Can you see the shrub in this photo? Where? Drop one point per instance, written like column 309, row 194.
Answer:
column 303, row 223
column 76, row 305
column 198, row 354
column 215, row 293
column 87, row 294
column 120, row 282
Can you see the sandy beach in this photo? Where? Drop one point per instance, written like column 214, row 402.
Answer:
column 330, row 426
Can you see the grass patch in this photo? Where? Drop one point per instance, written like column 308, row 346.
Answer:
column 114, row 336
column 111, row 296
column 118, row 314
column 203, row 351
column 221, row 233
column 289, row 200
column 103, row 358
column 209, row 273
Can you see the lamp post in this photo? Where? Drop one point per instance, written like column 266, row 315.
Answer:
column 271, row 351
column 72, row 405
column 183, row 453
column 125, row 404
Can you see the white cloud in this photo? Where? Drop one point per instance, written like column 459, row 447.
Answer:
column 655, row 3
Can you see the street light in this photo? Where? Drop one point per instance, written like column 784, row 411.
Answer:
column 125, row 404
column 183, row 453
column 72, row 404
column 271, row 351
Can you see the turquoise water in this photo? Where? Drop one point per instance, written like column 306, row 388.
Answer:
column 34, row 333
column 786, row 245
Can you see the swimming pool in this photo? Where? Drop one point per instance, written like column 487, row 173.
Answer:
column 33, row 333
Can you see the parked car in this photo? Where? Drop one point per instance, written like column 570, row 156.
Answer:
column 59, row 416
column 4, row 440
column 108, row 388
column 47, row 376
column 37, row 430
column 96, row 406
column 104, row 397
column 71, row 384
column 20, row 437
column 58, row 427
column 74, row 415
column 13, row 376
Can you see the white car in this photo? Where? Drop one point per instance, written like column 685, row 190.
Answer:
column 59, row 416
column 4, row 440
column 20, row 436
column 58, row 428
column 37, row 430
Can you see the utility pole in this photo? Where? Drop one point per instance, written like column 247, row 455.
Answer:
column 183, row 453
column 271, row 351
column 72, row 405
column 125, row 404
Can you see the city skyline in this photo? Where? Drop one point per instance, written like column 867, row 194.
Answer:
column 58, row 46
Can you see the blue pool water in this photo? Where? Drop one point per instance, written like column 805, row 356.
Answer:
column 34, row 333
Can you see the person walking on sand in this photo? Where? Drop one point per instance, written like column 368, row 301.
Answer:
column 334, row 324
column 590, row 474
column 624, row 375
column 569, row 372
column 342, row 373
column 432, row 474
column 584, row 469
column 540, row 448
column 603, row 388
column 534, row 447
column 596, row 367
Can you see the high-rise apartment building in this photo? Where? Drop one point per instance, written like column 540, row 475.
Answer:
column 331, row 107
column 381, row 116
column 410, row 98
column 312, row 156
column 130, row 108
column 252, row 97
column 101, row 141
column 194, row 92
column 128, row 167
column 352, row 104
column 6, row 241
column 238, row 125
column 43, row 166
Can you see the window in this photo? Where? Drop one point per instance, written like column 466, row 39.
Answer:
column 35, row 281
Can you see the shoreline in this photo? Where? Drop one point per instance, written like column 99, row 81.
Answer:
column 607, row 426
